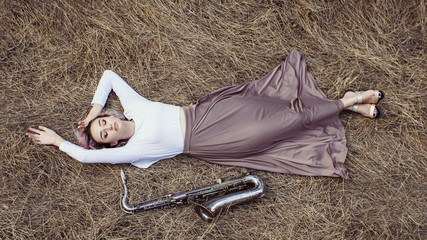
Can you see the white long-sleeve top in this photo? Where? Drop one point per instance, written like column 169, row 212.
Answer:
column 157, row 135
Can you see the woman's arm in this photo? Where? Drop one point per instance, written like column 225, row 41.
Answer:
column 111, row 81
column 46, row 136
column 106, row 155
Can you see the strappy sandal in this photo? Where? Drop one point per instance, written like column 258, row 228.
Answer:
column 355, row 108
column 378, row 93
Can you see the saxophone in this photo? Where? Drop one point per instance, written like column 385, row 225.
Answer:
column 209, row 201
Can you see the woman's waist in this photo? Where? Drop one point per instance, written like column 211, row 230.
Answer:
column 182, row 122
column 186, row 115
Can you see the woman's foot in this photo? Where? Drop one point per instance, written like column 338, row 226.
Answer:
column 369, row 96
column 368, row 110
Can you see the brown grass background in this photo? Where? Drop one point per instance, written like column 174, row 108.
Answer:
column 52, row 54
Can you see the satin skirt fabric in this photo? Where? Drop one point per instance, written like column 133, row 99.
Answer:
column 280, row 123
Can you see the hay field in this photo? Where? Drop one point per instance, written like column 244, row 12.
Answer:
column 52, row 54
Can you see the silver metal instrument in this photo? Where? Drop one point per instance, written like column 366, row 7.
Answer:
column 209, row 201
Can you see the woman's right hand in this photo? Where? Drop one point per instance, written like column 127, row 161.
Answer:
column 45, row 136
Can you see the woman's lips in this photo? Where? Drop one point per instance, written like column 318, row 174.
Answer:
column 115, row 126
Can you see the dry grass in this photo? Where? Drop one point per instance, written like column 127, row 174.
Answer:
column 52, row 54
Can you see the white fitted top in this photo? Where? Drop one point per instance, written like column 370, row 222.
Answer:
column 157, row 135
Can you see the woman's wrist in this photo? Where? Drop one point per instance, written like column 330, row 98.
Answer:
column 58, row 141
column 96, row 110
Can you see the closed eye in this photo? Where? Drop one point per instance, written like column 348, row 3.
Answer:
column 103, row 134
column 101, row 122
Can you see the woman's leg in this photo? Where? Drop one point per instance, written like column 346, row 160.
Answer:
column 248, row 125
column 301, row 137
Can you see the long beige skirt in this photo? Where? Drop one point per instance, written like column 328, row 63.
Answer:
column 280, row 123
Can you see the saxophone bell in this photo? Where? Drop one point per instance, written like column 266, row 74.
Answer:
column 209, row 210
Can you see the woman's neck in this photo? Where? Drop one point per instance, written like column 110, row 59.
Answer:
column 128, row 129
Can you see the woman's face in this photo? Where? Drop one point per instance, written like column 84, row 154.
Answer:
column 106, row 130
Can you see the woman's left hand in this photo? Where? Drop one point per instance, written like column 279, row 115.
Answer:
column 45, row 136
column 83, row 123
column 93, row 113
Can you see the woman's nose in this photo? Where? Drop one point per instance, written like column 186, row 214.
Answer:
column 109, row 127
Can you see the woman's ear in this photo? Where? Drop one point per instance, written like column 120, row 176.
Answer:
column 114, row 143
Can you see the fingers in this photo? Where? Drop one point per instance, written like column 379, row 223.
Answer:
column 42, row 129
column 82, row 124
column 33, row 137
column 35, row 130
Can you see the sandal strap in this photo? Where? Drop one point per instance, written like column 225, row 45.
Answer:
column 359, row 97
column 355, row 108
